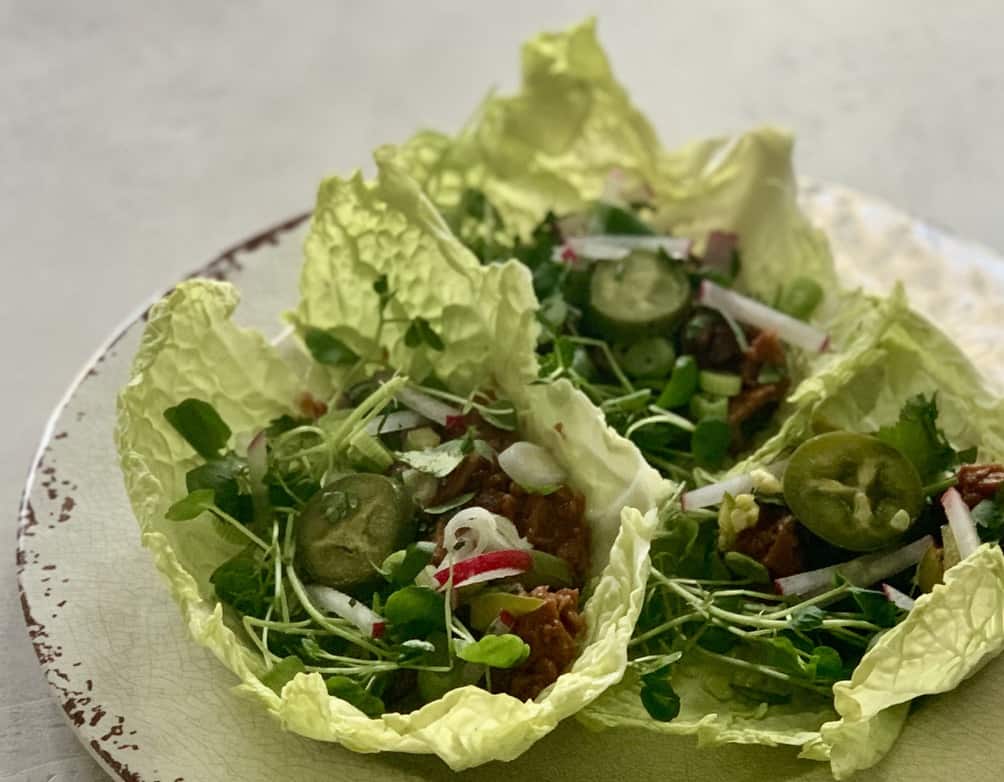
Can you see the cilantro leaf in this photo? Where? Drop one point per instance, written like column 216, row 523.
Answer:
column 989, row 517
column 916, row 435
column 200, row 425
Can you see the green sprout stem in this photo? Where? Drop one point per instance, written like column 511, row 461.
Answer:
column 224, row 516
column 356, row 638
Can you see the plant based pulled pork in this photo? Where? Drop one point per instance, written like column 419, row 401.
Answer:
column 401, row 541
column 649, row 329
column 813, row 558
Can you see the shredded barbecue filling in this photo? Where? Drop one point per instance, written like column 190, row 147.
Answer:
column 757, row 398
column 978, row 482
column 551, row 632
column 773, row 542
column 553, row 523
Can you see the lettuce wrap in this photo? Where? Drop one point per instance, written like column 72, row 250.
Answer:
column 569, row 146
column 947, row 635
column 483, row 317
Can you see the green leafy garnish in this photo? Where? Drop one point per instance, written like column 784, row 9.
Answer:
column 200, row 425
column 421, row 333
column 225, row 477
column 456, row 502
column 658, row 696
column 807, row 618
column 282, row 673
column 415, row 558
column 876, row 607
column 245, row 583
column 326, row 348
column 414, row 611
column 610, row 218
column 989, row 517
column 916, row 435
column 710, row 442
column 351, row 692
column 192, row 506
column 496, row 651
column 746, row 568
column 439, row 461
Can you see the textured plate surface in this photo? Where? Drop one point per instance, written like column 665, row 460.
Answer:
column 153, row 706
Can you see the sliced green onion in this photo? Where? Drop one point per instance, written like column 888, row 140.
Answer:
column 368, row 453
column 651, row 357
column 720, row 383
column 682, row 384
column 661, row 417
column 703, row 406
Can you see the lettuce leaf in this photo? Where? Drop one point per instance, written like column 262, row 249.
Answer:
column 553, row 145
column 950, row 633
column 362, row 232
column 892, row 355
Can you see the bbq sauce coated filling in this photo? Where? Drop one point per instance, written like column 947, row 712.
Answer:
column 553, row 523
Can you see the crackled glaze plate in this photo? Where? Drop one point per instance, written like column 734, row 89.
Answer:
column 152, row 706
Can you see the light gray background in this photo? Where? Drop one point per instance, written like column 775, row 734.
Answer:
column 138, row 140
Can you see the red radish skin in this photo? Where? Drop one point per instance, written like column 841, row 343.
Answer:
column 509, row 560
column 897, row 598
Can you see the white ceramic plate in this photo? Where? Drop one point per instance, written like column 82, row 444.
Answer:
column 153, row 706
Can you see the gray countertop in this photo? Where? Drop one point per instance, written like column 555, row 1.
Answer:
column 138, row 140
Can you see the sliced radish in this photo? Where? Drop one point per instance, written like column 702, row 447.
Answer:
column 714, row 493
column 531, row 466
column 400, row 421
column 475, row 531
column 486, row 567
column 961, row 522
column 746, row 310
column 719, row 250
column 430, row 407
column 282, row 336
column 348, row 608
column 257, row 470
column 258, row 458
column 897, row 598
column 861, row 572
column 614, row 247
column 502, row 624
